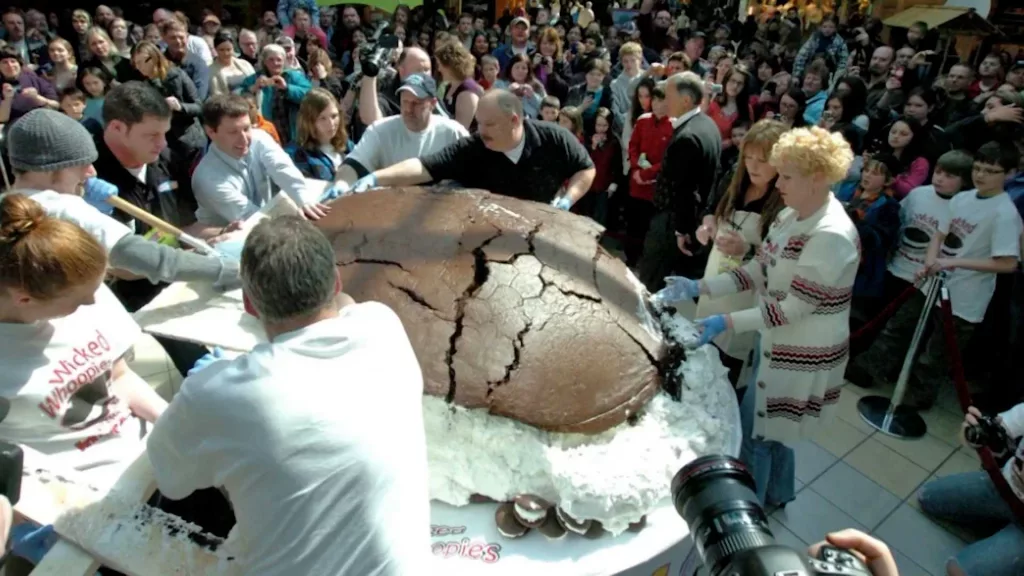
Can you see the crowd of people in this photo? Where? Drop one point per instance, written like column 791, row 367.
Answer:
column 807, row 170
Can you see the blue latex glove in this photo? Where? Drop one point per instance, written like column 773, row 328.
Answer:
column 32, row 542
column 711, row 327
column 214, row 355
column 676, row 288
column 96, row 193
column 338, row 190
column 562, row 203
column 364, row 184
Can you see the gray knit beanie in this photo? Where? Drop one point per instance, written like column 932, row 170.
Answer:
column 46, row 140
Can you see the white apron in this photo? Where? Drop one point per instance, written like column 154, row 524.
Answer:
column 738, row 346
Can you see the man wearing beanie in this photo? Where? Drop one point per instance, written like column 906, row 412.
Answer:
column 52, row 157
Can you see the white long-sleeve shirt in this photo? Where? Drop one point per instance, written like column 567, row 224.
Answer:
column 229, row 189
column 318, row 439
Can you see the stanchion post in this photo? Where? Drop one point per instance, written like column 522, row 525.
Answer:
column 889, row 416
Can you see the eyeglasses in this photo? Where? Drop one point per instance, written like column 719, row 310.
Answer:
column 989, row 171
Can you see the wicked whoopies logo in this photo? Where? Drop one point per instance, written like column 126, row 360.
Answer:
column 486, row 552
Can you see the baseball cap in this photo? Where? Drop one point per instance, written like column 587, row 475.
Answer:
column 419, row 85
column 520, row 20
column 628, row 29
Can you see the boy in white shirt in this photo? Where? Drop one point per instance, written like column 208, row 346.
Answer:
column 979, row 239
column 920, row 213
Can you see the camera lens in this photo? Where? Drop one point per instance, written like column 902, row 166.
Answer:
column 715, row 496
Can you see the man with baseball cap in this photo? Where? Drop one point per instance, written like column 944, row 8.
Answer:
column 1015, row 77
column 414, row 133
column 520, row 32
column 52, row 157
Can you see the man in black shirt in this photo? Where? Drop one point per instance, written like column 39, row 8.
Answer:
column 509, row 156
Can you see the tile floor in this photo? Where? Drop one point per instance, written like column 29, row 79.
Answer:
column 849, row 476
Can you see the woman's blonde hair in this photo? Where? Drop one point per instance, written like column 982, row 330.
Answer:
column 97, row 31
column 67, row 46
column 44, row 256
column 458, row 60
column 814, row 151
column 760, row 138
column 151, row 52
column 313, row 104
column 551, row 35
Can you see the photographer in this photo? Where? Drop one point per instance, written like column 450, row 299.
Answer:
column 971, row 498
column 378, row 98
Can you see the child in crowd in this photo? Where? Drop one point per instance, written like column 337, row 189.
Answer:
column 731, row 154
column 920, row 214
column 571, row 119
column 876, row 214
column 979, row 239
column 72, row 104
column 549, row 107
column 257, row 119
column 95, row 83
column 606, row 153
column 489, row 69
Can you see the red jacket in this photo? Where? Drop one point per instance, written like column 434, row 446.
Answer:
column 651, row 136
column 607, row 163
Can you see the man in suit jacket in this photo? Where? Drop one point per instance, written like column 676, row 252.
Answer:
column 688, row 173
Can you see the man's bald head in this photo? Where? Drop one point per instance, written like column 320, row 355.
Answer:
column 413, row 61
column 499, row 118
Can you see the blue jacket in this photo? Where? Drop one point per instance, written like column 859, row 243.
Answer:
column 878, row 230
column 313, row 163
column 815, row 108
column 504, row 53
column 298, row 85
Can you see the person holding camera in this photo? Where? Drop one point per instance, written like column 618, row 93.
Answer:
column 378, row 90
column 972, row 498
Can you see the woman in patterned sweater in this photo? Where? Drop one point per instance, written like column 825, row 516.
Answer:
column 803, row 278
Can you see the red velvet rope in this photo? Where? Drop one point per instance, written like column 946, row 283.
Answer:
column 988, row 462
column 886, row 313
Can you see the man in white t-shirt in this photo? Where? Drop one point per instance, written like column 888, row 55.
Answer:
column 233, row 180
column 317, row 435
column 979, row 238
column 921, row 211
column 412, row 134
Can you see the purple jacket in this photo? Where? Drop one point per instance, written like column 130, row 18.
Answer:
column 23, row 104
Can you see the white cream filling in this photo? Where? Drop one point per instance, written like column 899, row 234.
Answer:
column 615, row 477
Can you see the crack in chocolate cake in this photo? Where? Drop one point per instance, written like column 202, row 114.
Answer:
column 546, row 373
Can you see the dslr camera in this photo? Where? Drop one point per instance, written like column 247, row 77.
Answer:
column 375, row 55
column 715, row 496
column 990, row 433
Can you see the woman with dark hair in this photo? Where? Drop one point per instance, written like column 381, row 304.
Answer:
column 519, row 80
column 23, row 90
column 102, row 55
column 920, row 104
column 791, row 109
column 186, row 136
column 732, row 104
column 550, row 65
column 906, row 142
column 650, row 137
column 227, row 71
column 839, row 116
column 479, row 47
column 592, row 93
column 735, row 225
column 857, row 99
